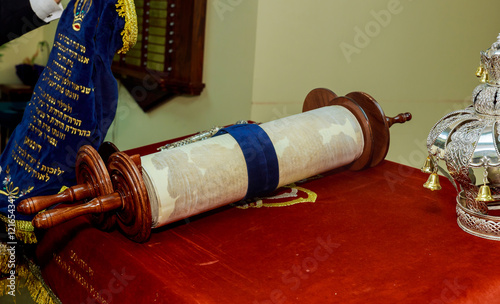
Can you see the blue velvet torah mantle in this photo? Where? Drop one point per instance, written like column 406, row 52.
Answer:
column 73, row 104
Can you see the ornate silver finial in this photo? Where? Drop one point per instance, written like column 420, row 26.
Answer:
column 486, row 97
column 490, row 64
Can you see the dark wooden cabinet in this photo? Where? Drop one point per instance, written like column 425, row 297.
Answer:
column 13, row 101
column 167, row 60
column 15, row 92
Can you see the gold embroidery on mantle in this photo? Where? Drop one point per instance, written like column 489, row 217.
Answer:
column 24, row 229
column 79, row 12
column 25, row 232
column 259, row 202
column 9, row 189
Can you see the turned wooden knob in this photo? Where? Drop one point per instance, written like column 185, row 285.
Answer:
column 58, row 216
column 33, row 205
column 401, row 118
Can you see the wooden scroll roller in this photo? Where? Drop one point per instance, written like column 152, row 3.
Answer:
column 141, row 193
column 92, row 178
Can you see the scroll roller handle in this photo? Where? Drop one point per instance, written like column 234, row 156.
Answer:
column 36, row 204
column 58, row 216
column 400, row 118
column 75, row 193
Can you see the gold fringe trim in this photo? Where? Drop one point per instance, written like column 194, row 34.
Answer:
column 30, row 278
column 25, row 232
column 126, row 9
column 4, row 258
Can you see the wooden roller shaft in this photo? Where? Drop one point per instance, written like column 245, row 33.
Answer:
column 129, row 201
column 78, row 192
column 92, row 180
column 98, row 205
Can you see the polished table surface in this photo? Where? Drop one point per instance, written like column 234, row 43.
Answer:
column 373, row 236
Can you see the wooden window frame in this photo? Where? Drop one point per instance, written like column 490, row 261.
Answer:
column 183, row 64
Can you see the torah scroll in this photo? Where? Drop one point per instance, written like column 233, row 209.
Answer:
column 242, row 161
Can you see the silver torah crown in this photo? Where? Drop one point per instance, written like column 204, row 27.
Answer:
column 468, row 141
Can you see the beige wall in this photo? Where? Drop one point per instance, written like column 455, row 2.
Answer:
column 417, row 56
column 16, row 51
